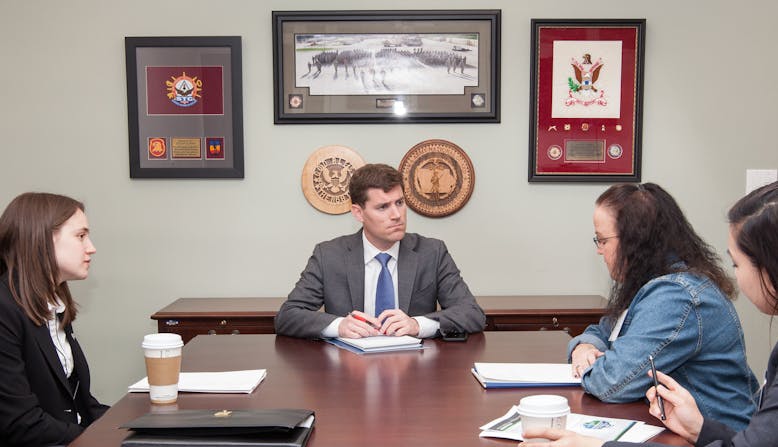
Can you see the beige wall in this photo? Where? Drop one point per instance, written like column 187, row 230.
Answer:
column 709, row 114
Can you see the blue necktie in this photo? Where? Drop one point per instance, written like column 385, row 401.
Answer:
column 384, row 292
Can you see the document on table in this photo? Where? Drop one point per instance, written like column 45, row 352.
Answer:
column 211, row 382
column 605, row 428
column 517, row 375
column 378, row 343
column 199, row 428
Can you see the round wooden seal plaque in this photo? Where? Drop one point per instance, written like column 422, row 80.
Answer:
column 438, row 178
column 326, row 175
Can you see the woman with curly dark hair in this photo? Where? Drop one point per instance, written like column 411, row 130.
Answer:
column 670, row 300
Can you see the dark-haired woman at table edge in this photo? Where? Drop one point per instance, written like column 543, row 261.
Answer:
column 44, row 377
column 671, row 300
column 753, row 247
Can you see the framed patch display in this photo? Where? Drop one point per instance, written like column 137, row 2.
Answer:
column 185, row 109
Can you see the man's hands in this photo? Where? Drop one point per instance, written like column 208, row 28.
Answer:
column 397, row 323
column 357, row 325
column 392, row 322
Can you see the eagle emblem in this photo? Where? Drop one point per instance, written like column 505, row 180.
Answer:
column 336, row 177
column 583, row 90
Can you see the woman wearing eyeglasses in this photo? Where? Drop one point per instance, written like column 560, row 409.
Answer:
column 753, row 247
column 670, row 299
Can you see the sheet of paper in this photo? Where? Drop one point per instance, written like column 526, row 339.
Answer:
column 527, row 372
column 308, row 423
column 641, row 433
column 211, row 382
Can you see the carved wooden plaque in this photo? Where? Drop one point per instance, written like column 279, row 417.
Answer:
column 438, row 178
column 326, row 175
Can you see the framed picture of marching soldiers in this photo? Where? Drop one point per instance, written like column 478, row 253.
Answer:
column 185, row 107
column 586, row 96
column 386, row 66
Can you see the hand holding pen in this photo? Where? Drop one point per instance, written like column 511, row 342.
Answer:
column 680, row 410
column 656, row 387
column 372, row 322
column 357, row 325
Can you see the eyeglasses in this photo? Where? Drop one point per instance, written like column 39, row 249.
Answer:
column 600, row 241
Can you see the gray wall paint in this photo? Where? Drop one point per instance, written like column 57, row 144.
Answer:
column 709, row 114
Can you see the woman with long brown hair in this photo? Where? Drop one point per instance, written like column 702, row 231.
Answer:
column 753, row 247
column 670, row 300
column 44, row 376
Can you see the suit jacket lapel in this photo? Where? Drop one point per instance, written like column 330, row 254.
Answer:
column 407, row 264
column 355, row 268
column 46, row 345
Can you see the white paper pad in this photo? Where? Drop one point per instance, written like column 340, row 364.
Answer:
column 211, row 382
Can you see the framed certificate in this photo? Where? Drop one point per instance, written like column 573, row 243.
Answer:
column 184, row 105
column 586, row 90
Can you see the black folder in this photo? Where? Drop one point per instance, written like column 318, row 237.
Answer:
column 219, row 428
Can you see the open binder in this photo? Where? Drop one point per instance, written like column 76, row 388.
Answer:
column 219, row 428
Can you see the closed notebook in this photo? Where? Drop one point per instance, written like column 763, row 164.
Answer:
column 382, row 342
column 217, row 428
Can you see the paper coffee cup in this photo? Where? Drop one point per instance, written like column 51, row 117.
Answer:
column 543, row 411
column 163, row 363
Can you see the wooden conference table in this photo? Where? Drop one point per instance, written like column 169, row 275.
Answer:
column 189, row 317
column 425, row 397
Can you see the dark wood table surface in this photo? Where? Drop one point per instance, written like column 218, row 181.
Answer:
column 427, row 397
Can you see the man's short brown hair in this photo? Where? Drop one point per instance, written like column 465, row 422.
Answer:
column 376, row 175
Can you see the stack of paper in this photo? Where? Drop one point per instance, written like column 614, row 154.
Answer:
column 211, row 382
column 379, row 343
column 518, row 375
column 607, row 429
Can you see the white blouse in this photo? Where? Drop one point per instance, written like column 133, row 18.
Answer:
column 61, row 344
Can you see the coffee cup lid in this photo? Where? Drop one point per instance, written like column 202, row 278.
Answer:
column 543, row 405
column 162, row 341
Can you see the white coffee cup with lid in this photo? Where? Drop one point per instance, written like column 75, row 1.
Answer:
column 543, row 411
column 163, row 364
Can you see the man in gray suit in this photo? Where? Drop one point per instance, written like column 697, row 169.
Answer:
column 353, row 276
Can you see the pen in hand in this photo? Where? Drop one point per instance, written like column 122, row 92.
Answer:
column 656, row 387
column 363, row 319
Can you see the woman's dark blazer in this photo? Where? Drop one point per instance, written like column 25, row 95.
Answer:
column 37, row 403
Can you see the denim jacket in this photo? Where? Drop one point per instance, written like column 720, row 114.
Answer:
column 695, row 336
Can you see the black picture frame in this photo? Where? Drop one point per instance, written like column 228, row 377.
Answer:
column 586, row 100
column 399, row 66
column 185, row 106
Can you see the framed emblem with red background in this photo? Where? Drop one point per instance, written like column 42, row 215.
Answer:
column 586, row 93
column 185, row 107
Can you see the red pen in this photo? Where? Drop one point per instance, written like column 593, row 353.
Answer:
column 363, row 319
